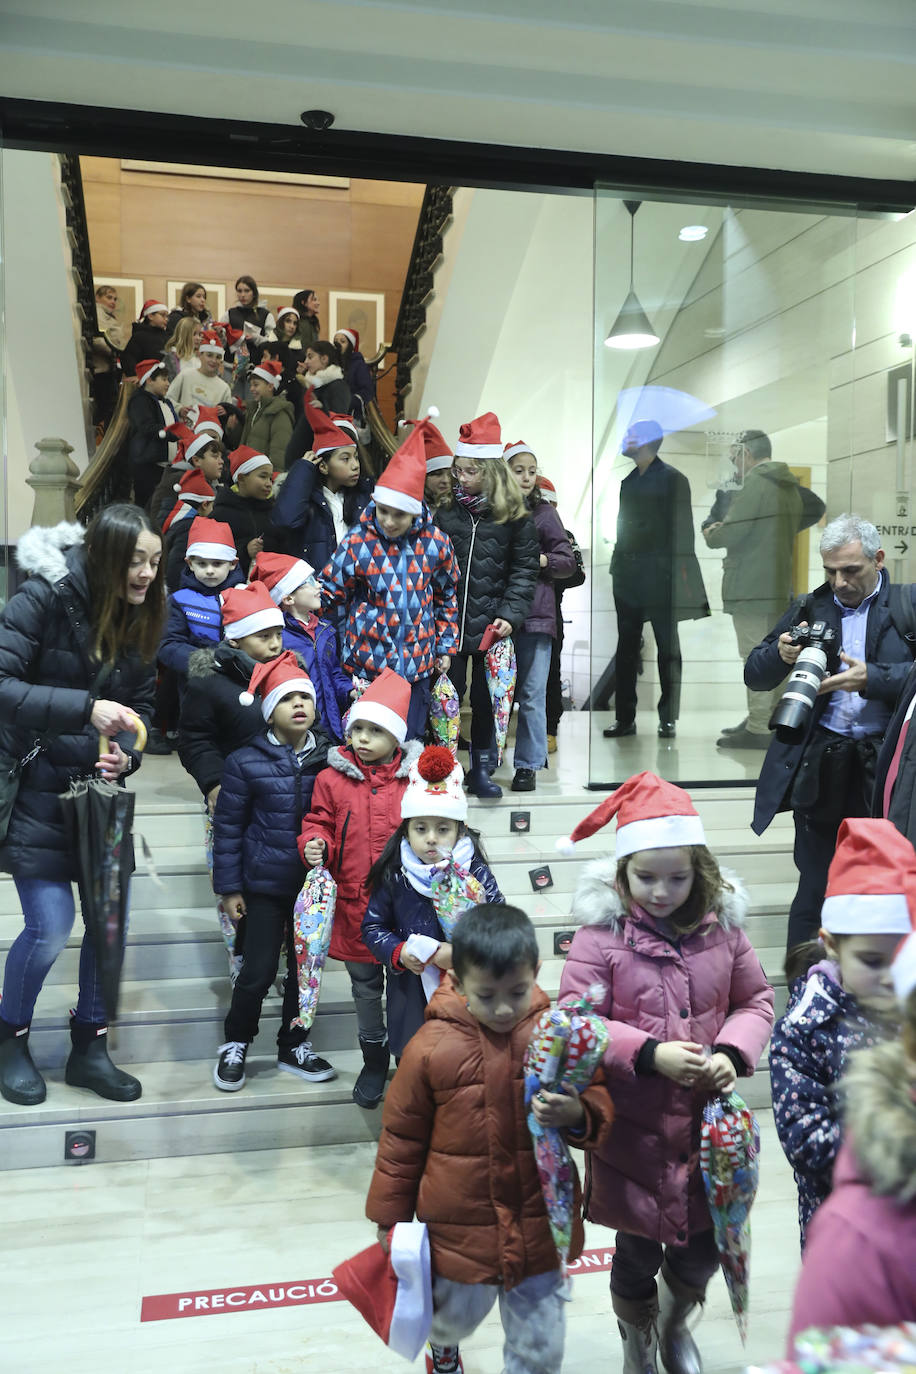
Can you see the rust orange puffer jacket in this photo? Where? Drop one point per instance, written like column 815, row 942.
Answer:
column 456, row 1152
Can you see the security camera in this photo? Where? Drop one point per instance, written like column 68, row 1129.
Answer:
column 317, row 119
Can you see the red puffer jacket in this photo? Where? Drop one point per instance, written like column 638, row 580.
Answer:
column 355, row 810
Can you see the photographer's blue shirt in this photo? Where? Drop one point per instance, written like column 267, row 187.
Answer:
column 848, row 713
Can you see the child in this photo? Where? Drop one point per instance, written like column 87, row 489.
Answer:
column 269, row 417
column 664, row 958
column 846, row 1002
column 247, row 506
column 439, row 459
column 434, row 810
column 267, row 785
column 395, row 574
column 195, row 611
column 293, row 586
column 534, row 641
column 180, row 354
column 149, row 414
column 203, row 385
column 324, row 493
column 197, row 451
column 498, row 554
column 858, row 1264
column 456, row 1151
column 554, row 696
column 355, row 807
column 147, row 338
column 195, row 497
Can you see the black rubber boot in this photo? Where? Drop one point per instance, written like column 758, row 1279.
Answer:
column 20, row 1081
column 90, row 1067
column 369, row 1088
column 477, row 780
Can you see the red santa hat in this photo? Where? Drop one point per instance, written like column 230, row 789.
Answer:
column 211, row 539
column 270, row 371
column 651, row 814
column 434, row 786
column 245, row 460
column 903, row 968
column 247, row 610
column 480, row 438
column 394, row 1291
column 211, row 343
column 148, row 368
column 182, row 436
column 548, row 490
column 401, row 484
column 512, row 450
column 353, row 336
column 438, row 453
column 385, row 702
column 193, row 490
column 205, row 418
column 287, row 310
column 276, row 679
column 280, row 573
column 152, row 307
column 200, row 441
column 329, row 431
column 871, row 882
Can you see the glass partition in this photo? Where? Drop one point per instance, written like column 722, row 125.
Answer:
column 5, row 554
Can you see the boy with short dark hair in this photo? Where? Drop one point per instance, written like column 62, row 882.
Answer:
column 195, row 611
column 247, row 506
column 455, row 1149
column 149, row 415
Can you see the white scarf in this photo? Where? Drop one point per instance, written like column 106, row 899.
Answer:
column 419, row 874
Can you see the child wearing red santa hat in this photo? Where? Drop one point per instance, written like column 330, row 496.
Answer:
column 194, row 618
column 663, row 956
column 247, row 505
column 149, row 415
column 269, row 417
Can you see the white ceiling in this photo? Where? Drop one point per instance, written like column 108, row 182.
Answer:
column 805, row 85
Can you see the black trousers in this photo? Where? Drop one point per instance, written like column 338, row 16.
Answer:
column 630, row 620
column 481, row 706
column 269, row 920
column 554, row 689
column 638, row 1260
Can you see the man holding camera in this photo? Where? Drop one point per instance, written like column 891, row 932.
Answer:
column 828, row 772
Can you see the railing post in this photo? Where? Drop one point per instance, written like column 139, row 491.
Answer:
column 54, row 481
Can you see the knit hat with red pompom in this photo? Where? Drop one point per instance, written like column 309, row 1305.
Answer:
column 651, row 814
column 434, row 786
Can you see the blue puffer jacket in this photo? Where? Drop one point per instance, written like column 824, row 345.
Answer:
column 194, row 620
column 822, row 1025
column 263, row 798
column 303, row 517
column 319, row 654
column 395, row 911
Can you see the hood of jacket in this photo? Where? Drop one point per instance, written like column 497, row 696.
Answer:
column 778, row 473
column 369, row 523
column 322, row 377
column 880, row 1093
column 41, row 551
column 822, row 997
column 447, row 1004
column 598, row 903
column 221, row 658
column 342, row 758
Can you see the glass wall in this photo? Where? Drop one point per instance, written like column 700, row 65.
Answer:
column 4, row 433
column 729, row 425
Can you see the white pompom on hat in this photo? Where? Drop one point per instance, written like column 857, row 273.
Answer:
column 276, row 679
column 385, row 702
column 871, row 882
column 435, row 786
column 651, row 812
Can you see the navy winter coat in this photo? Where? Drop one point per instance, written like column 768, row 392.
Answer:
column 194, row 620
column 145, row 449
column 395, row 911
column 213, row 720
column 499, row 570
column 322, row 662
column 302, row 516
column 809, row 1053
column 264, row 796
column 46, row 676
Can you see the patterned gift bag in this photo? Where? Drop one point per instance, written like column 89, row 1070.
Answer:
column 313, row 917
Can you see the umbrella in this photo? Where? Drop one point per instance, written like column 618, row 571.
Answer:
column 730, row 1165
column 500, row 664
column 566, row 1048
column 671, row 409
column 313, row 918
column 443, row 712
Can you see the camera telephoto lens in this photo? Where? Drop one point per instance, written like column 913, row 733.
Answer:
column 817, row 659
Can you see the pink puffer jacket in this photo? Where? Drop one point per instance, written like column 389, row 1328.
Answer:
column 708, row 988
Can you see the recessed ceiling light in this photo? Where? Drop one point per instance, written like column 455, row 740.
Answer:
column 692, row 233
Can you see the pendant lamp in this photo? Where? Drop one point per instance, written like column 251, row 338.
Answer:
column 631, row 329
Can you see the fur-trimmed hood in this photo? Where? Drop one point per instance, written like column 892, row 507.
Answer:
column 227, row 659
column 322, row 377
column 41, row 550
column 342, row 758
column 598, row 903
column 880, row 1094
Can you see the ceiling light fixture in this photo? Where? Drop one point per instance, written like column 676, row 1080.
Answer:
column 693, row 233
column 631, row 329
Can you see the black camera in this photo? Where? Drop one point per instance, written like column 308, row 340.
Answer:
column 819, row 657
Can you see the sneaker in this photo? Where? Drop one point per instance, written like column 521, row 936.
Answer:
column 525, row 780
column 300, row 1060
column 443, row 1359
column 229, row 1074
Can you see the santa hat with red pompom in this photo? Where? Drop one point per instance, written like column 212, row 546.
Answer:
column 651, row 814
column 329, row 431
column 211, row 343
column 871, row 882
column 148, row 368
column 246, row 610
column 401, row 484
column 385, row 702
column 152, row 307
column 480, row 438
column 280, row 573
column 393, row 1291
column 211, row 539
column 270, row 371
column 548, row 490
column 276, row 679
column 434, row 786
column 353, row 336
column 513, row 450
column 245, row 460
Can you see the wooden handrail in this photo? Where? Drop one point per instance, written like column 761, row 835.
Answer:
column 96, row 483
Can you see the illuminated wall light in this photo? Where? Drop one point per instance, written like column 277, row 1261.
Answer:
column 693, row 233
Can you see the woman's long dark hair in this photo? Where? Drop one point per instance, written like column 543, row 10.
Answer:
column 187, row 291
column 110, row 542
column 388, row 862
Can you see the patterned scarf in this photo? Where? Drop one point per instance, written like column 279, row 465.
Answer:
column 474, row 505
column 449, row 885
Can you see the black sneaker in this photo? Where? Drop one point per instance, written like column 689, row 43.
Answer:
column 300, row 1060
column 525, row 780
column 229, row 1073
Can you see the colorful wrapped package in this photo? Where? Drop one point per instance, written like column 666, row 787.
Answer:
column 730, row 1165
column 360, row 684
column 453, row 889
column 313, row 917
column 566, row 1048
column 501, row 674
column 444, row 708
column 850, row 1350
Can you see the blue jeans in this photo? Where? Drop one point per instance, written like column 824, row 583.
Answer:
column 49, row 912
column 533, row 1315
column 532, row 656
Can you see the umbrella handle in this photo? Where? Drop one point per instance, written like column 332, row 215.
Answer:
column 139, row 742
column 104, row 745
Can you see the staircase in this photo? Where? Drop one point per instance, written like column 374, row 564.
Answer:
column 175, row 989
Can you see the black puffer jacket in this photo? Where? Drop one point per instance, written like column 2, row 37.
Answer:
column 146, row 341
column 499, row 570
column 46, row 672
column 213, row 720
column 247, row 517
column 264, row 796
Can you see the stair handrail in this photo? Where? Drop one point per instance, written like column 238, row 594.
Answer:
column 103, row 480
column 435, row 213
column 71, row 180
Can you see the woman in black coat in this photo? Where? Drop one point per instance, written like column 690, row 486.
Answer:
column 77, row 653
